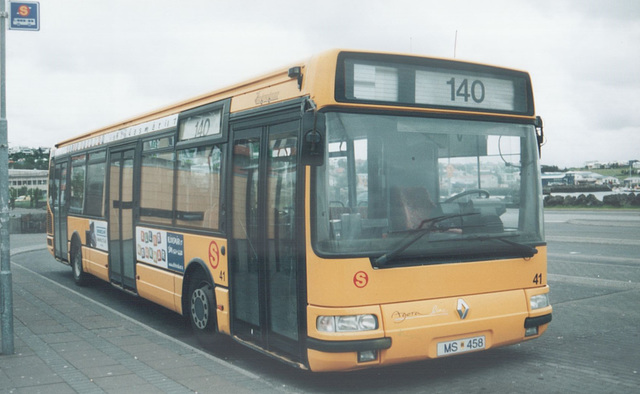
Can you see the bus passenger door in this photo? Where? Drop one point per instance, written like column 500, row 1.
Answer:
column 121, row 232
column 60, row 208
column 263, row 256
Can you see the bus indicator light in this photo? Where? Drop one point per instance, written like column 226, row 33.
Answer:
column 360, row 279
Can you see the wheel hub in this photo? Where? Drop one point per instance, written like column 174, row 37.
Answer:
column 199, row 308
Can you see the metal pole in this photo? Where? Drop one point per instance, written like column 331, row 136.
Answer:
column 6, row 304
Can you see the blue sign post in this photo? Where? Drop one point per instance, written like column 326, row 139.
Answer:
column 24, row 15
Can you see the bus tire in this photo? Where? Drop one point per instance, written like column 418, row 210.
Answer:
column 79, row 276
column 202, row 309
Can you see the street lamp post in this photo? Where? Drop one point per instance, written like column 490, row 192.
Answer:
column 6, row 292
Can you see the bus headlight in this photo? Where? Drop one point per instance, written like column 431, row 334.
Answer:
column 539, row 301
column 346, row 323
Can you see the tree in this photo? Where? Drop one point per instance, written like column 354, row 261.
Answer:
column 34, row 160
column 13, row 194
column 546, row 168
column 36, row 197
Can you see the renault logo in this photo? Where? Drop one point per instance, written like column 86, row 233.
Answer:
column 462, row 308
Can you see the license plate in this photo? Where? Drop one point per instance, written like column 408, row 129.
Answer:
column 461, row 346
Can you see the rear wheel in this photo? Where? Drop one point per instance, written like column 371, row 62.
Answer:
column 202, row 309
column 79, row 276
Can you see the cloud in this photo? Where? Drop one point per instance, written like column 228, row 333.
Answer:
column 96, row 63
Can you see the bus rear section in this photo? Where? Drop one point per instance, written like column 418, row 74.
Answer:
column 426, row 240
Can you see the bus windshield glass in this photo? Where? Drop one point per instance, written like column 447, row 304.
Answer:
column 414, row 190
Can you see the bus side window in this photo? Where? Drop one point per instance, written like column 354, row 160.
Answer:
column 156, row 187
column 198, row 187
column 78, row 172
column 94, row 192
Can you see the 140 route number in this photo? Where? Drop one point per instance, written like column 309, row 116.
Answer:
column 466, row 90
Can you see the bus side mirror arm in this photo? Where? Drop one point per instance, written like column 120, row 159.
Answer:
column 539, row 134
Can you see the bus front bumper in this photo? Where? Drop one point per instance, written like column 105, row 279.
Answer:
column 428, row 329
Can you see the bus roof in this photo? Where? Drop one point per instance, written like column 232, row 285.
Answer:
column 316, row 77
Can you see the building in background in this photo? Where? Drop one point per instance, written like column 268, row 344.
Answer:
column 31, row 179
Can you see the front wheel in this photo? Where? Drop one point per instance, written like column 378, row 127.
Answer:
column 79, row 276
column 202, row 309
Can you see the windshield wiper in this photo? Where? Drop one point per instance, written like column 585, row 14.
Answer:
column 526, row 251
column 417, row 233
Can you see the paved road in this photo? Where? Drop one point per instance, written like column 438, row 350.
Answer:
column 592, row 345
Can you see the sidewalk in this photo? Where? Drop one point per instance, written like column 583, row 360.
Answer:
column 66, row 343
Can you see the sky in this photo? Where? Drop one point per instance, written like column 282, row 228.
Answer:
column 95, row 63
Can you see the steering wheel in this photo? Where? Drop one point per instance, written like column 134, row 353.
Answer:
column 466, row 193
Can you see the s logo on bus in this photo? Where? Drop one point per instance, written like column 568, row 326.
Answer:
column 214, row 255
column 360, row 279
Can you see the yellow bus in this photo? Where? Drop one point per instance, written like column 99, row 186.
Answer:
column 353, row 210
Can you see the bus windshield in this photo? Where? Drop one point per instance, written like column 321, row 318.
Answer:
column 418, row 190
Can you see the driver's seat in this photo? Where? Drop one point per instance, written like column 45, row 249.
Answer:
column 409, row 206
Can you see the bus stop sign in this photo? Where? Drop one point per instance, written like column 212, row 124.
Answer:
column 24, row 15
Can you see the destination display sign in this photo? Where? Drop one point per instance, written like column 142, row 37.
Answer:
column 433, row 83
column 469, row 90
column 202, row 125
